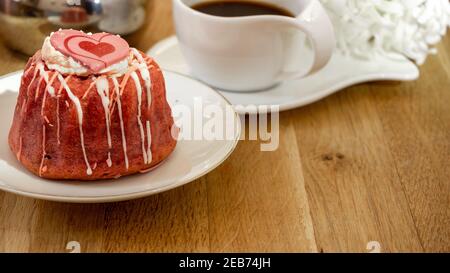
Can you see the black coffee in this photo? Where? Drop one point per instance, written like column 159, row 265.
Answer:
column 240, row 8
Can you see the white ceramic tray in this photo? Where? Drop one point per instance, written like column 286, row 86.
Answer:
column 341, row 72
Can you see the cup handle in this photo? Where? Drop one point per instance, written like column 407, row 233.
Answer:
column 314, row 21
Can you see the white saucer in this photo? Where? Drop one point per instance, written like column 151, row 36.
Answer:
column 341, row 72
column 190, row 160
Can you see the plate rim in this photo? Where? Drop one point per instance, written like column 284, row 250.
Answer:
column 136, row 195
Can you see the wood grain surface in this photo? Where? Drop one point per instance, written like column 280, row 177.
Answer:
column 371, row 163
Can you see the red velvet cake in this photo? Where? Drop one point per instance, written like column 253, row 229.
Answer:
column 90, row 107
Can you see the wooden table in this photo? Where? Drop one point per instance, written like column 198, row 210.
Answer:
column 371, row 163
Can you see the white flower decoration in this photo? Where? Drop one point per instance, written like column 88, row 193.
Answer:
column 389, row 27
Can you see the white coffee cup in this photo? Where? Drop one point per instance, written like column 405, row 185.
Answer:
column 251, row 53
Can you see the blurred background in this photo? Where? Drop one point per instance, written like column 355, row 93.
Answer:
column 25, row 23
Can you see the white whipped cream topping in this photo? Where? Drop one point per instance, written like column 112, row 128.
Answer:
column 65, row 65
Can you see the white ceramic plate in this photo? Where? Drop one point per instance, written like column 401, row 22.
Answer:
column 190, row 160
column 341, row 72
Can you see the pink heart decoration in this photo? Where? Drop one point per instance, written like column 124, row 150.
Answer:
column 100, row 49
column 96, row 51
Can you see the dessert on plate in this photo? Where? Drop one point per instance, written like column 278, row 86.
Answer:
column 90, row 107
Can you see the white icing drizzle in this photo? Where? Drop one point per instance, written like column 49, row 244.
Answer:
column 29, row 69
column 77, row 104
column 102, row 86
column 89, row 89
column 57, row 116
column 137, row 83
column 149, row 143
column 44, row 75
column 44, row 99
column 34, row 77
column 32, row 80
column 119, row 109
column 22, row 108
column 19, row 153
column 144, row 70
column 43, row 151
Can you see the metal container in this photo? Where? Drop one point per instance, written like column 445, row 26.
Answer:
column 24, row 24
